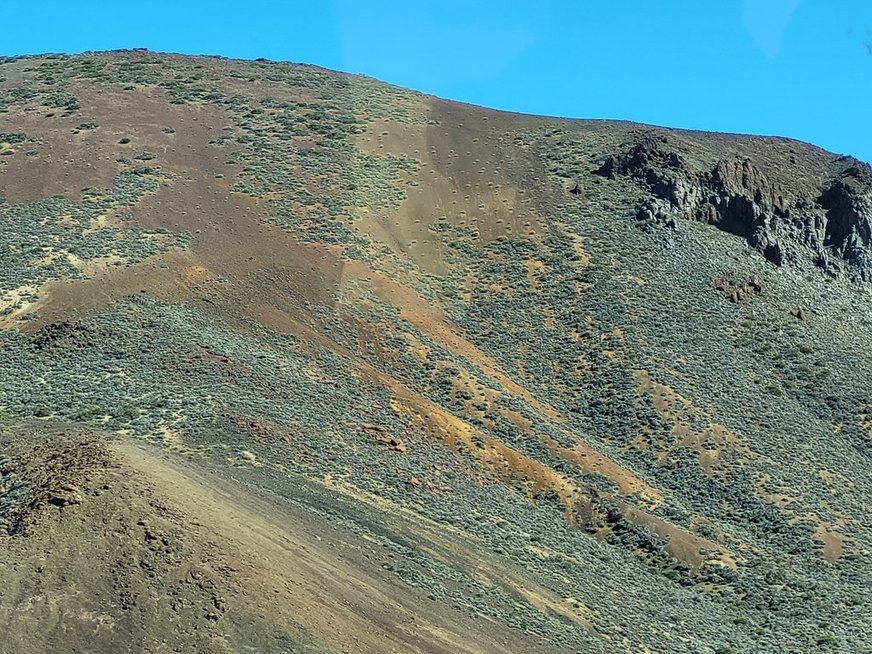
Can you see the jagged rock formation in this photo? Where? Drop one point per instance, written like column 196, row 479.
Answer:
column 847, row 229
column 827, row 221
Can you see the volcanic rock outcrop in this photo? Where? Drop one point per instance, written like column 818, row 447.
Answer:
column 827, row 221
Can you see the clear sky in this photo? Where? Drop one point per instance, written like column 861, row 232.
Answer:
column 798, row 68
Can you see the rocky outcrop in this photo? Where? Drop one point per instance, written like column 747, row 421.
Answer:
column 847, row 230
column 66, row 334
column 739, row 292
column 654, row 211
column 829, row 222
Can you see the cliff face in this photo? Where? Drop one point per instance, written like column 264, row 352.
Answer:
column 825, row 220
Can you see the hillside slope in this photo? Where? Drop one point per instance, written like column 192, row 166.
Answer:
column 292, row 360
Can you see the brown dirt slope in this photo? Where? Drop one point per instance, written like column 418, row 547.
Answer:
column 134, row 547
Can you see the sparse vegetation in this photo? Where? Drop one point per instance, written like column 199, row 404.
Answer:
column 65, row 101
column 592, row 401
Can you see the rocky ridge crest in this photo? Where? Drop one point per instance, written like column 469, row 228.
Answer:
column 826, row 221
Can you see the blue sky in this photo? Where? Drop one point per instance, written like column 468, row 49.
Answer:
column 798, row 68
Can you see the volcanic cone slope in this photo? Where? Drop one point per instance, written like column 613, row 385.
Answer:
column 297, row 361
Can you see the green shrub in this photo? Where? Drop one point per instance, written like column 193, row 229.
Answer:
column 62, row 100
column 89, row 413
column 12, row 137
